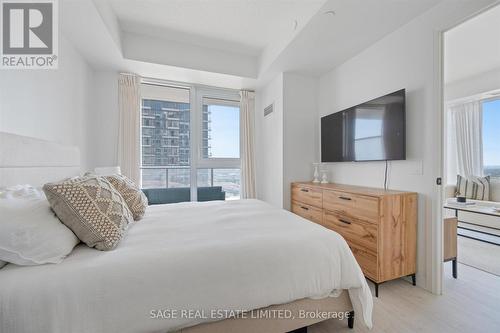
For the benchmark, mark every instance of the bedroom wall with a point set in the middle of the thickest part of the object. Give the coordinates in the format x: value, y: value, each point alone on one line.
x: 269, y: 142
x: 407, y: 58
x: 299, y: 129
x: 104, y: 120
x: 285, y: 139
x: 49, y: 104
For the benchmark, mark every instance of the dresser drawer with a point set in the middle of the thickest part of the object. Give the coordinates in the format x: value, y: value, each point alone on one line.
x: 334, y: 199
x: 308, y: 195
x: 360, y: 206
x: 367, y: 260
x: 308, y: 212
x: 362, y: 233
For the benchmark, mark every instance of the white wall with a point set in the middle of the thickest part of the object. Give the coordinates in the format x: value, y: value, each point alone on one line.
x: 473, y: 47
x: 49, y: 104
x: 285, y: 139
x: 407, y: 58
x: 155, y: 50
x: 71, y: 105
x: 299, y: 130
x: 473, y: 85
x: 402, y: 60
x: 269, y: 142
x: 103, y: 121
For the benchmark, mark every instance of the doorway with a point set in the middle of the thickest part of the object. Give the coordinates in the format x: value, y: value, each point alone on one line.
x: 471, y: 142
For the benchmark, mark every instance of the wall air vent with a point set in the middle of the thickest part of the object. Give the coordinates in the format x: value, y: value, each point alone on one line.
x: 268, y: 110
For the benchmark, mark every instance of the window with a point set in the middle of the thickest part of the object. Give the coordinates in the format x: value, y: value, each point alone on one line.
x: 491, y: 137
x: 170, y: 116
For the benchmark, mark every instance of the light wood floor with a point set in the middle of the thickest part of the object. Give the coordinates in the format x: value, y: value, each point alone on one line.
x: 480, y: 255
x: 470, y: 304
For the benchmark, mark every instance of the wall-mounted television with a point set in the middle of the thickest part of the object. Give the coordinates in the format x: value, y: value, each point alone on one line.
x: 371, y: 131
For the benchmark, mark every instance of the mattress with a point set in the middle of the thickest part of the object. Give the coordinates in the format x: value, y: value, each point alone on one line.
x: 181, y: 265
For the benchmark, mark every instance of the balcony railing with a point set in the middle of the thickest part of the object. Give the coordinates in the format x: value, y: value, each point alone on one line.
x: 180, y: 176
x: 165, y: 176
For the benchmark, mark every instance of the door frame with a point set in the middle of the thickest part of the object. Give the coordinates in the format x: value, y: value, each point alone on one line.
x: 436, y: 232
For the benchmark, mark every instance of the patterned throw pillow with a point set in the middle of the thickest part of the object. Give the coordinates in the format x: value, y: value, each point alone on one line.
x: 92, y: 208
x: 136, y: 200
x: 476, y: 188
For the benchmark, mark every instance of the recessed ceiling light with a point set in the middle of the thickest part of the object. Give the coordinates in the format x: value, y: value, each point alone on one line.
x: 330, y: 12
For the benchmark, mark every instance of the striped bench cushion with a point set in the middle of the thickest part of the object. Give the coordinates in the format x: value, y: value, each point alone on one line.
x: 476, y: 188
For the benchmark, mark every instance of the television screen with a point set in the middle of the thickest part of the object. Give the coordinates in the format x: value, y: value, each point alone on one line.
x: 372, y: 131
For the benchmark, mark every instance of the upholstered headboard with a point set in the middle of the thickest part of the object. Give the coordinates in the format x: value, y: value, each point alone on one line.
x: 25, y: 160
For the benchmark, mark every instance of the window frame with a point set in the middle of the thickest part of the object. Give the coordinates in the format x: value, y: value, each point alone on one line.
x: 196, y: 95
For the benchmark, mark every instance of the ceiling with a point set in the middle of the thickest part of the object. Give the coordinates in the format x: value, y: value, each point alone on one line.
x: 245, y: 26
x: 473, y: 48
x: 229, y: 43
x: 329, y: 40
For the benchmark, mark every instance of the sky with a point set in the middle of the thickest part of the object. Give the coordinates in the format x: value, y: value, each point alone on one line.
x: 225, y: 131
x: 491, y: 133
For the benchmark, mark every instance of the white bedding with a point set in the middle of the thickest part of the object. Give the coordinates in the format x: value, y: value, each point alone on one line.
x: 234, y: 255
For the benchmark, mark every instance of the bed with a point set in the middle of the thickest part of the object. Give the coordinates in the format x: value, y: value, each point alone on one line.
x: 190, y: 267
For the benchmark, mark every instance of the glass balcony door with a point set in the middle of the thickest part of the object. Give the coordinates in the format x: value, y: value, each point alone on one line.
x: 219, y: 142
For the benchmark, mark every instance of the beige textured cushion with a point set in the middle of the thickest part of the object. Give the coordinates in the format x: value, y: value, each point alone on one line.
x: 136, y: 200
x: 92, y: 208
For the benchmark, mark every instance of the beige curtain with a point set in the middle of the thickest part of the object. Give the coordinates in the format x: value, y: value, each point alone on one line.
x: 247, y: 114
x: 129, y: 102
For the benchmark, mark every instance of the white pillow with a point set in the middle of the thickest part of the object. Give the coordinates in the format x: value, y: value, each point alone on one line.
x: 2, y: 263
x: 30, y: 233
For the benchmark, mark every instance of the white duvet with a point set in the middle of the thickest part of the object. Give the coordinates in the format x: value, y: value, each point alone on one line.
x: 234, y: 255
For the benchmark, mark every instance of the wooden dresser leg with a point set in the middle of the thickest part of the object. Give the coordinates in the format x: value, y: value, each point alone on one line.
x: 350, y: 320
x: 414, y: 279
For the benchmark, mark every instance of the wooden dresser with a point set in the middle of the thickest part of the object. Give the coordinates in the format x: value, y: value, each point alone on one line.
x: 379, y: 225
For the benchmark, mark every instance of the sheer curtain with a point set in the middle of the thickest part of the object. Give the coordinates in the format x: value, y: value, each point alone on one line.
x: 129, y: 103
x: 247, y: 115
x: 466, y: 122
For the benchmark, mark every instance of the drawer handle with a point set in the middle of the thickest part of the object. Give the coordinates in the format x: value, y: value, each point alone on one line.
x: 345, y: 198
x: 304, y: 208
x: 304, y: 190
x: 344, y: 221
